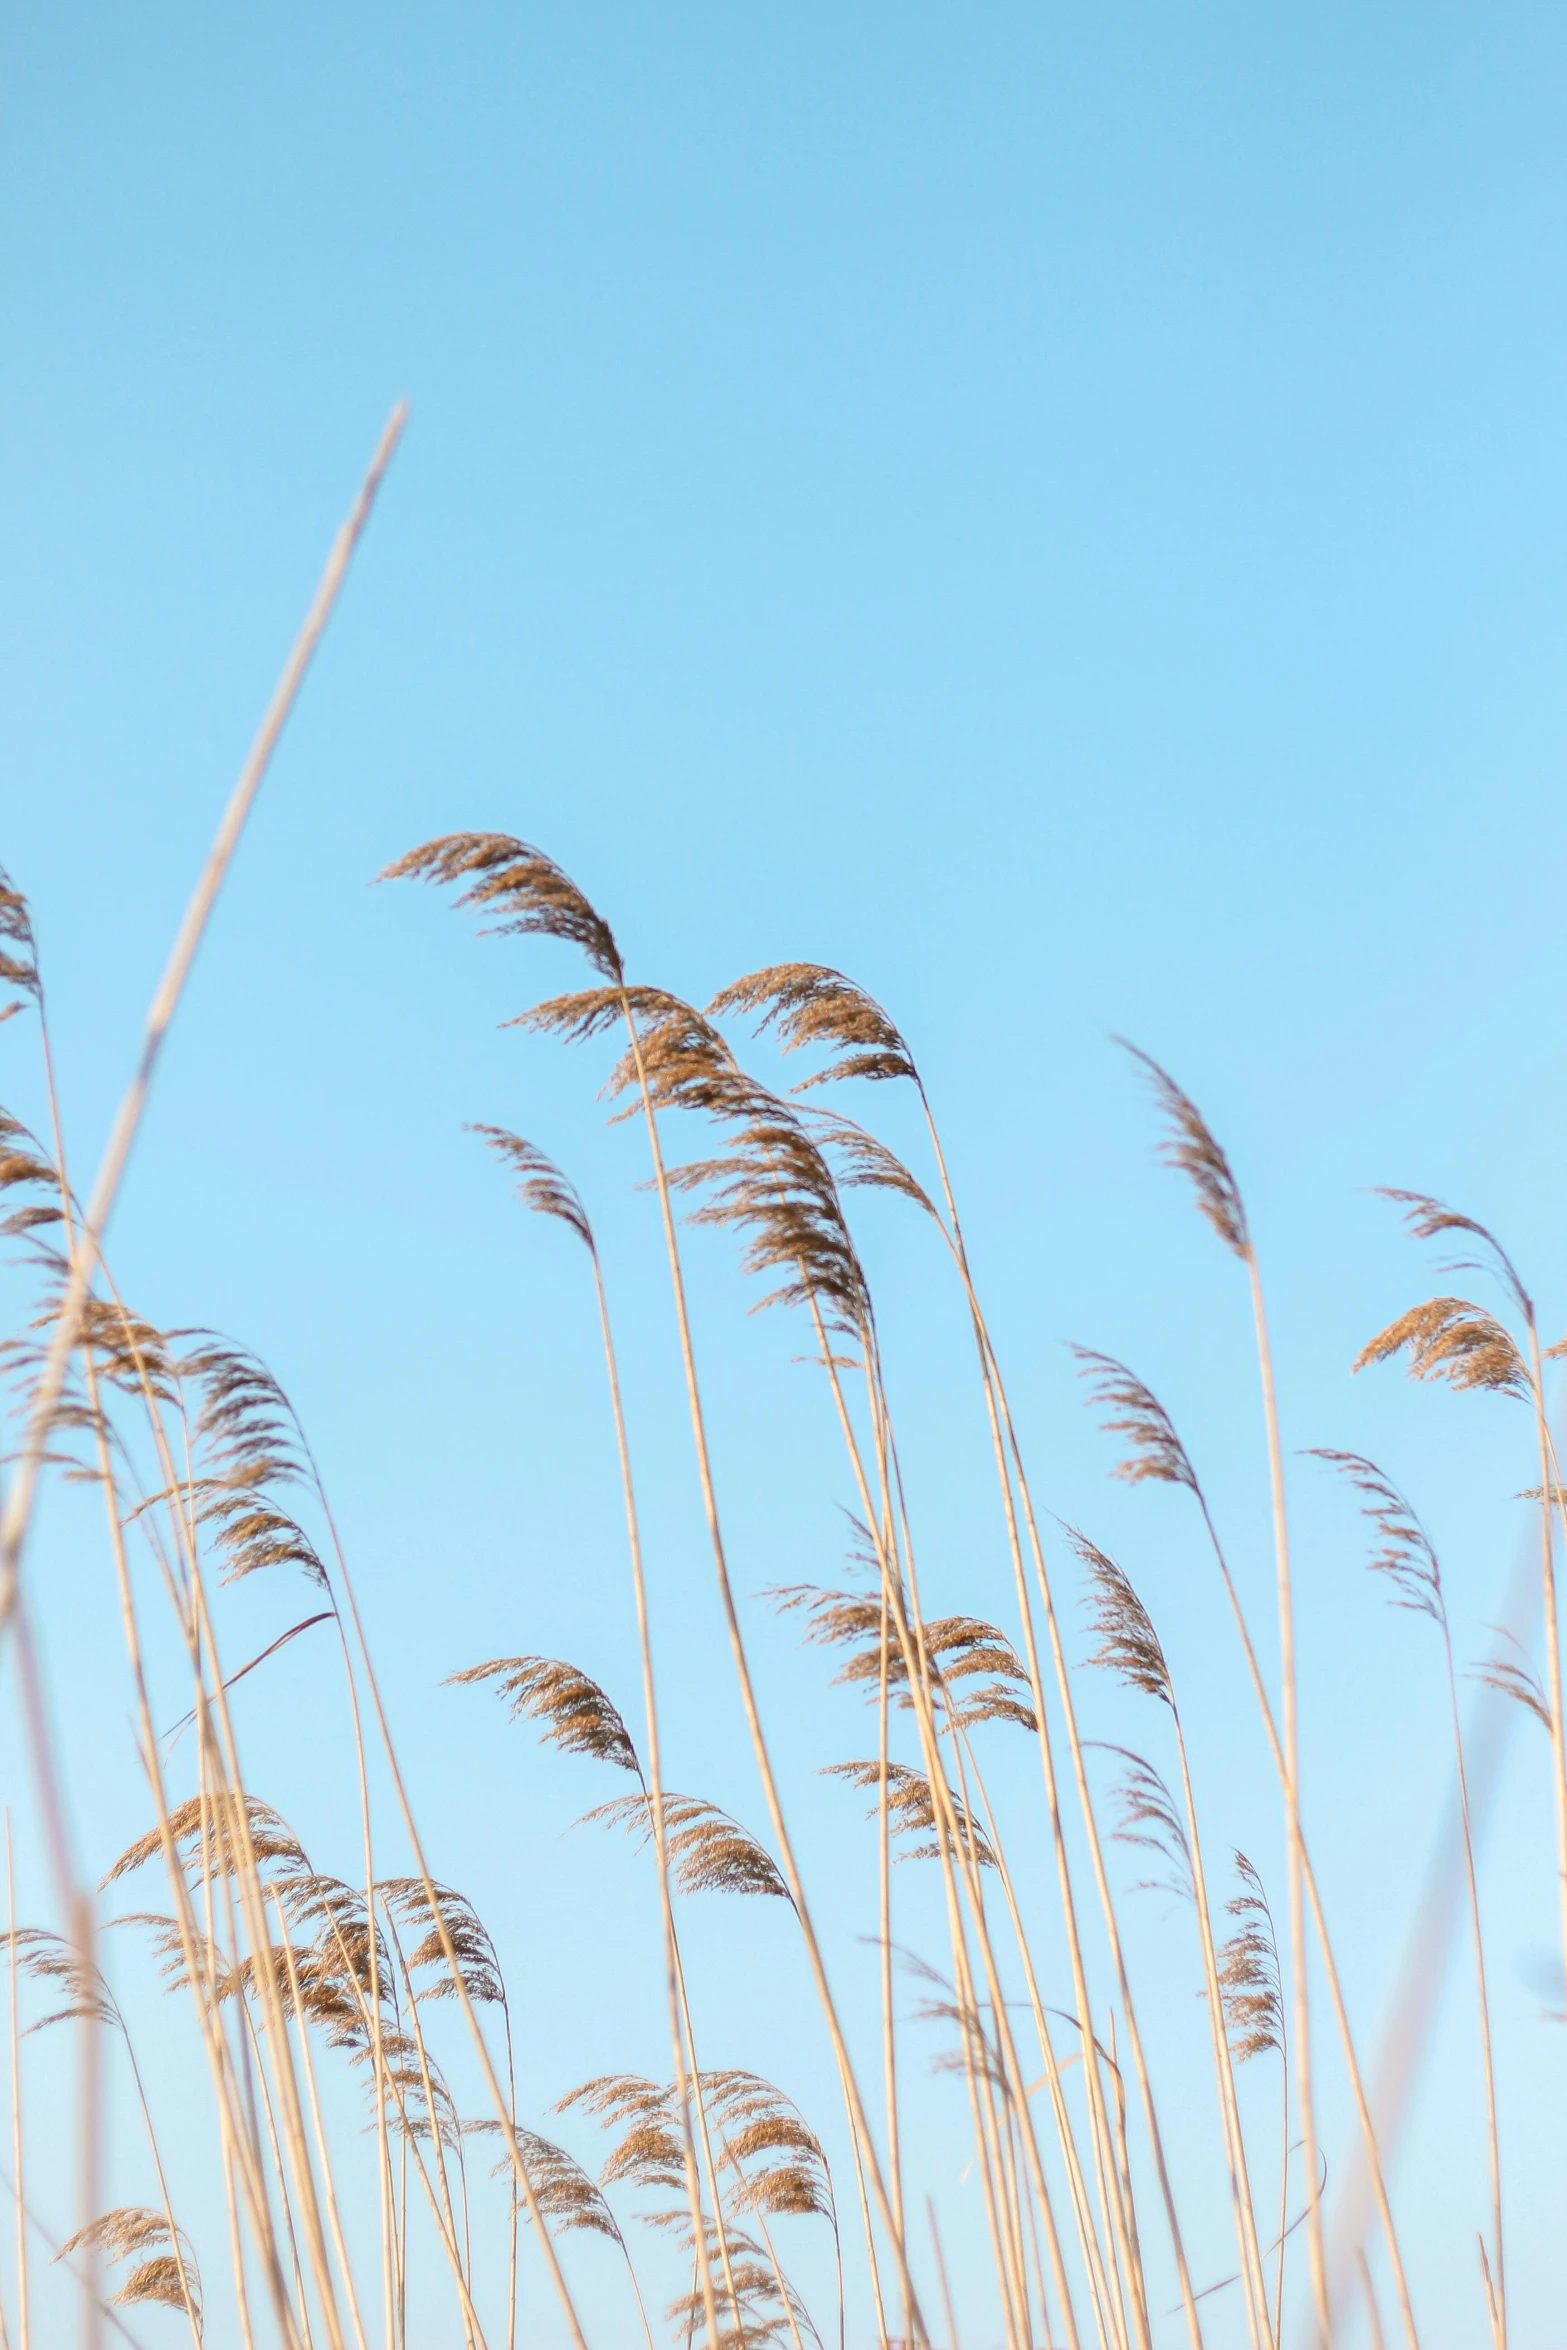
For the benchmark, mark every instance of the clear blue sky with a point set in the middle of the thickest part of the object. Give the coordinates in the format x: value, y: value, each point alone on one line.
x: 1057, y: 510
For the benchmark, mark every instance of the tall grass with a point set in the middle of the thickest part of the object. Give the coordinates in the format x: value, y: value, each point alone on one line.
x: 294, y: 1976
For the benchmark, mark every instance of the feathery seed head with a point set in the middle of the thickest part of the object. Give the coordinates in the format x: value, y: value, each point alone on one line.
x: 765, y: 2142
x: 541, y: 1186
x: 1428, y: 1218
x: 562, y: 2189
x: 861, y: 1161
x: 1135, y: 1414
x: 773, y: 1185
x: 517, y: 889
x: 215, y: 1835
x: 1149, y: 1819
x: 573, y: 1711
x: 950, y: 1648
x: 130, y: 2233
x: 26, y: 1167
x: 49, y: 1958
x: 1513, y: 1676
x: 1405, y: 1554
x: 810, y: 1004
x: 1190, y: 1147
x: 911, y: 1811
x: 453, y: 1938
x: 1448, y: 1338
x: 1250, y: 1978
x: 1128, y: 1644
x: 18, y: 947
x: 708, y: 1851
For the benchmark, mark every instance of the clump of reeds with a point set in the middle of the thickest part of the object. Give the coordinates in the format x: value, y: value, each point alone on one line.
x: 292, y: 1973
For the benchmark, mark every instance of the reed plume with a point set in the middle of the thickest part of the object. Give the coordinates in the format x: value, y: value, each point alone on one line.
x: 134, y: 2233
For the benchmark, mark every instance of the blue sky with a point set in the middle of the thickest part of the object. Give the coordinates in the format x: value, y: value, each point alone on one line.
x: 1056, y: 511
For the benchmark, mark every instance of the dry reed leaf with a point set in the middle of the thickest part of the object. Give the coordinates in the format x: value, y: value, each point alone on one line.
x: 573, y: 1711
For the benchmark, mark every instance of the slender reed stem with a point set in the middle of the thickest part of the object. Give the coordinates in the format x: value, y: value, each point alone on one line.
x: 1553, y: 1638
x: 1284, y: 2176
x: 941, y: 2272
x: 673, y: 1980
x: 889, y: 2048
x: 1224, y: 2073
x: 18, y: 2165
x: 1291, y: 1750
x: 1496, y: 2279
x: 19, y: 1501
x: 1324, y: 1944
